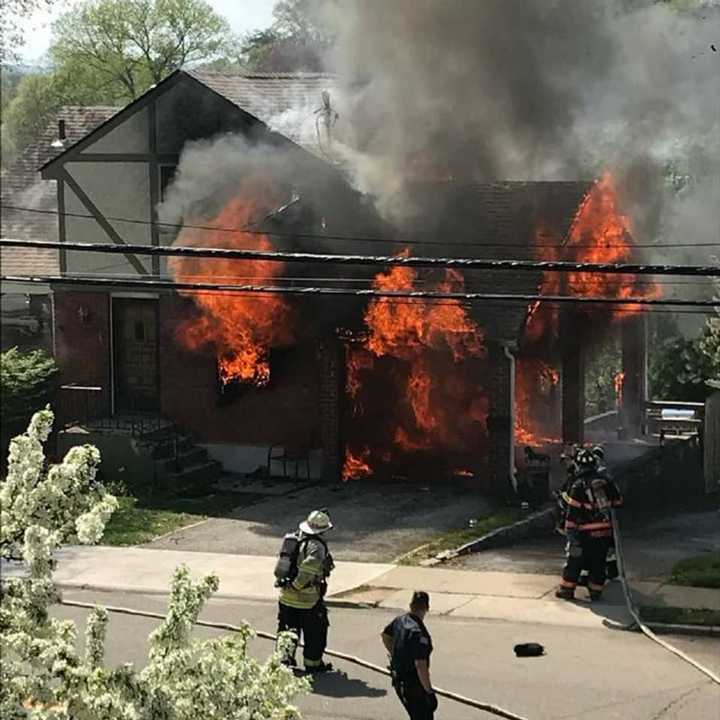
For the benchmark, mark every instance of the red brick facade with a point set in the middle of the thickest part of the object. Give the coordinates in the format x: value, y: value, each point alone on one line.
x: 285, y: 412
x: 83, y: 342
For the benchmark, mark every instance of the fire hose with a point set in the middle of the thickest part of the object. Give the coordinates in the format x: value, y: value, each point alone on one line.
x: 487, y: 707
x: 637, y: 623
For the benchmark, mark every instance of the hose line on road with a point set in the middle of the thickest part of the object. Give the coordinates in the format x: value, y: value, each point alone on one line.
x: 487, y: 707
x: 637, y: 622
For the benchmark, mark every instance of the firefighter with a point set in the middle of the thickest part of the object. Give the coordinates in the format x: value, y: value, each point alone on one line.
x: 301, y: 606
x: 588, y: 527
x: 409, y: 646
x: 611, y: 567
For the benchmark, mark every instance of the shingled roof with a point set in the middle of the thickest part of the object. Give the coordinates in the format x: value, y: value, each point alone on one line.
x: 284, y: 101
x: 23, y: 187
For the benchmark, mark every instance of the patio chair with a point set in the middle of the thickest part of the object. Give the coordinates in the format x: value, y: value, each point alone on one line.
x: 299, y: 455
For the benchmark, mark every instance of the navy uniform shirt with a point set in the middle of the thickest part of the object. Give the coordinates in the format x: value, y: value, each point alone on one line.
x: 411, y: 642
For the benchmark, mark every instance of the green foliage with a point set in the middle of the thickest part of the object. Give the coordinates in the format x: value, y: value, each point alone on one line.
x: 701, y: 571
x: 37, y: 98
x: 27, y: 383
x: 683, y: 369
x: 12, y: 37
x: 121, y: 47
x: 600, y: 374
x: 710, y: 346
x: 295, y: 42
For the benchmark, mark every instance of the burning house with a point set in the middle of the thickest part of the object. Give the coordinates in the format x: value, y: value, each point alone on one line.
x: 381, y: 387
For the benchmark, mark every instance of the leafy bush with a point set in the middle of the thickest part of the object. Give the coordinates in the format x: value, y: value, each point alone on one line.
x: 43, y: 676
x: 685, y: 369
x: 27, y: 384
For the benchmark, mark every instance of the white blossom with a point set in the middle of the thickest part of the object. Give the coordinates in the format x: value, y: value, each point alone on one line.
x: 42, y: 676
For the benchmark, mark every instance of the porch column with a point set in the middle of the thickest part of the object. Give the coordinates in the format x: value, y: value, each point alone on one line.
x: 500, y: 424
x: 573, y: 380
x: 634, y: 365
x: 332, y: 372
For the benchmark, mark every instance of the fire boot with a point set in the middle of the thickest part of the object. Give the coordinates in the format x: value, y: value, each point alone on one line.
x: 565, y: 593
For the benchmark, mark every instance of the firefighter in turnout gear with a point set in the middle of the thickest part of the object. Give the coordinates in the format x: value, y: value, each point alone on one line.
x: 304, y: 566
x: 588, y: 526
x: 611, y: 567
x: 409, y: 645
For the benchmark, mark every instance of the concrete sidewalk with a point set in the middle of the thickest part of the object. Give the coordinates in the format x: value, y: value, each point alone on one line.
x: 518, y: 597
x: 145, y: 570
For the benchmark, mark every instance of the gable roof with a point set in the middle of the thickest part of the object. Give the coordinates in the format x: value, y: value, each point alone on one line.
x: 285, y: 102
x: 23, y: 187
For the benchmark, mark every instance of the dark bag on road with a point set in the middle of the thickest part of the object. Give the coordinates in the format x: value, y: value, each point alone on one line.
x: 529, y: 650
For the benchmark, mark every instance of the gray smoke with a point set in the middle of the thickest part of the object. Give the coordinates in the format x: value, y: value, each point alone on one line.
x: 529, y: 90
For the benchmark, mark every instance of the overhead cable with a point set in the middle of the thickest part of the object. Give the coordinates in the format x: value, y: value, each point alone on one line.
x: 356, y: 238
x: 156, y: 284
x: 374, y: 260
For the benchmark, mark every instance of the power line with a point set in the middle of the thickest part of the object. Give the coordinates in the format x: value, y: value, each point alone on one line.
x: 349, y: 238
x: 364, y: 293
x: 418, y: 281
x: 393, y: 260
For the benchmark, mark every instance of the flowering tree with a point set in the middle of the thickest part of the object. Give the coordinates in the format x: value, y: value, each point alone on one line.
x: 42, y: 675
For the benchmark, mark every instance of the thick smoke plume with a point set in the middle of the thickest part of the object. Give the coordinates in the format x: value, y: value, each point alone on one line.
x: 529, y: 90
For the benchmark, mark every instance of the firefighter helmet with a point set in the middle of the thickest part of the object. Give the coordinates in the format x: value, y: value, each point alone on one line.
x: 318, y: 522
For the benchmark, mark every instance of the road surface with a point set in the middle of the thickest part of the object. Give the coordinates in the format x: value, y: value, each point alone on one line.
x: 596, y: 674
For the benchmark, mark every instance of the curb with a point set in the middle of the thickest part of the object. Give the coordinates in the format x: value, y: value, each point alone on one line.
x: 698, y: 630
x: 501, y: 536
x: 130, y: 590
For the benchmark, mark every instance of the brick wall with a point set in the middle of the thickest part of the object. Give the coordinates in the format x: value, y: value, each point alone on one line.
x: 287, y: 411
x: 500, y: 428
x: 83, y: 344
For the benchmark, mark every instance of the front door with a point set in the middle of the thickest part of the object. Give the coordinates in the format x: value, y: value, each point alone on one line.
x: 135, y: 355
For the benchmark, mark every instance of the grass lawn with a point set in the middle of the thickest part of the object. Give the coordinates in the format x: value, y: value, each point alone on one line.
x: 455, y: 538
x: 680, y: 616
x: 139, y: 520
x: 701, y: 571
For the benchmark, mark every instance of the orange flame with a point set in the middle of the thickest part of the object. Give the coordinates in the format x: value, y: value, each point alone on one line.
x: 619, y: 382
x: 241, y: 329
x: 412, y: 331
x: 535, y: 382
x: 600, y: 233
x: 356, y: 467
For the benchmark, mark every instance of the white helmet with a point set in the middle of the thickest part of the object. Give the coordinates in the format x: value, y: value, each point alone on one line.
x: 318, y: 522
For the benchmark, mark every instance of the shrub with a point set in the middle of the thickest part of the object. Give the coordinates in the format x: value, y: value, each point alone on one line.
x: 27, y: 383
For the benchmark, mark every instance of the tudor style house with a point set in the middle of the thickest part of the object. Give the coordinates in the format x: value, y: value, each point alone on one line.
x: 157, y: 407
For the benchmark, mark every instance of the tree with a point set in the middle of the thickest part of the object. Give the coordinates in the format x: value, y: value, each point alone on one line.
x: 41, y: 669
x: 682, y: 369
x: 296, y: 41
x: 37, y: 98
x: 118, y: 48
x: 12, y: 37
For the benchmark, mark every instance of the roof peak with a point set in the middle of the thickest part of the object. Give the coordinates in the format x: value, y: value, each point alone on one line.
x: 262, y: 75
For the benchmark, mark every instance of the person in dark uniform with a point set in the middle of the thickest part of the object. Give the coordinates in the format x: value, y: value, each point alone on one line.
x: 409, y: 645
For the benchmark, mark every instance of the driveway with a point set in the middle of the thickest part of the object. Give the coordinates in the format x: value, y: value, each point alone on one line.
x: 373, y: 522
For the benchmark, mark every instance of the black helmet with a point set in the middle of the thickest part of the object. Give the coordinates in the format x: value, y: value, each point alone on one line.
x: 586, y: 459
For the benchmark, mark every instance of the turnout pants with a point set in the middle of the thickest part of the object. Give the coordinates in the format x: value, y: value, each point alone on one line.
x: 414, y: 699
x: 311, y: 625
x: 586, y: 552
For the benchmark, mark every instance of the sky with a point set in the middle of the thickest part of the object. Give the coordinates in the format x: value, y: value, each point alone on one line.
x: 243, y: 16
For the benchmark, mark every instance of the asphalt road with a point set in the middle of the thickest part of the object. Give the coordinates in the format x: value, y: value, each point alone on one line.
x: 594, y: 674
